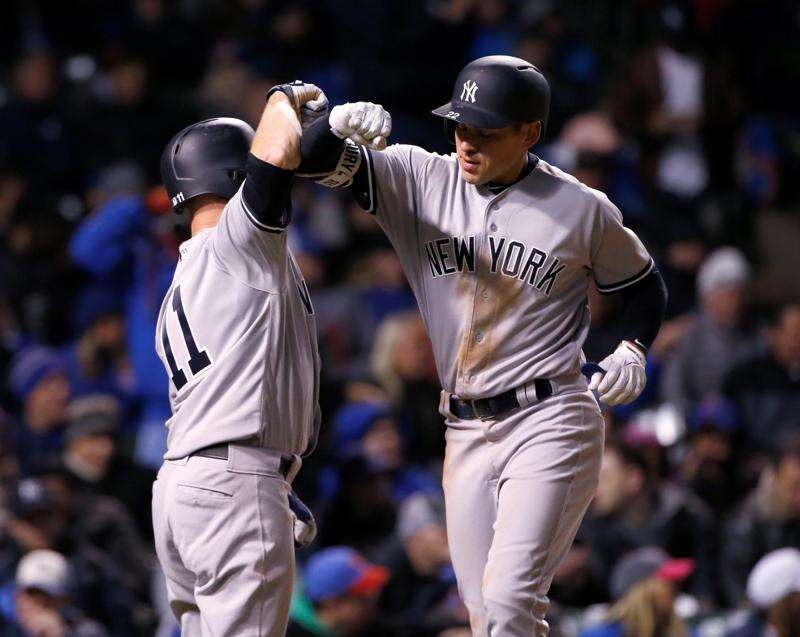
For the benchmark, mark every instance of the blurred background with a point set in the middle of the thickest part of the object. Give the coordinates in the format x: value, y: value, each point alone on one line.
x: 683, y: 112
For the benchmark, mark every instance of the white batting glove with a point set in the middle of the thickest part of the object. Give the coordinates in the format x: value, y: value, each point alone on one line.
x: 364, y: 123
x: 308, y: 100
x: 305, y: 526
x: 624, y: 377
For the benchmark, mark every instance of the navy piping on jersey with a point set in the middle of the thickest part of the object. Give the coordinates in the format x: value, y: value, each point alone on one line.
x: 616, y: 287
x: 257, y: 223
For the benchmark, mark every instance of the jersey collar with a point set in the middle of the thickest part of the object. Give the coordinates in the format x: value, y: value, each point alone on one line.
x: 185, y: 248
x: 496, y: 189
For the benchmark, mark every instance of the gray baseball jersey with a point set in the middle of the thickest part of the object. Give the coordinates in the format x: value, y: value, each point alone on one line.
x: 501, y: 279
x: 237, y: 335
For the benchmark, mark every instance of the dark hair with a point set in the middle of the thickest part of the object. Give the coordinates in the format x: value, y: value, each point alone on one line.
x: 775, y: 314
x: 786, y: 447
x: 630, y: 456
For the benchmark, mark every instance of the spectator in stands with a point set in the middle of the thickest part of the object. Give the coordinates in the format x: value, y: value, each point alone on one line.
x: 719, y: 337
x: 660, y: 102
x: 371, y: 431
x: 127, y: 118
x: 35, y: 128
x: 773, y: 587
x: 299, y: 38
x: 766, y: 389
x: 362, y: 513
x: 383, y: 287
x: 768, y: 519
x: 402, y: 361
x: 92, y: 457
x: 40, y: 604
x: 579, y: 581
x: 32, y: 521
x: 39, y: 283
x: 644, y: 585
x: 38, y: 382
x: 633, y: 509
x: 496, y: 32
x: 418, y: 597
x: 339, y: 596
x: 109, y: 564
x: 125, y: 245
x: 710, y: 468
x: 96, y: 362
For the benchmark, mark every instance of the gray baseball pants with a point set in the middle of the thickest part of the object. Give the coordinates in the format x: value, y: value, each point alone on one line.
x: 224, y: 537
x: 516, y: 489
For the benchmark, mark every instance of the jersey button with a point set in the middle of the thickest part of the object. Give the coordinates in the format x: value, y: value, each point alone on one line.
x: 493, y: 227
x: 479, y: 337
x: 485, y: 295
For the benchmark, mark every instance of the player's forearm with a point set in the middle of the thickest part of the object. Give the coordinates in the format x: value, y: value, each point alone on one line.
x: 643, y: 307
x: 277, y: 138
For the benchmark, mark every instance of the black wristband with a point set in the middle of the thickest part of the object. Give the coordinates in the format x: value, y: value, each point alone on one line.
x: 286, y: 89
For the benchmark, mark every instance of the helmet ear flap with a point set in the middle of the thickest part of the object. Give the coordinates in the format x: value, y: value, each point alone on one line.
x: 450, y: 131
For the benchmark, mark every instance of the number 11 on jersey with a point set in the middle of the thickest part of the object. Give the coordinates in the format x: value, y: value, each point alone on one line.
x: 198, y: 360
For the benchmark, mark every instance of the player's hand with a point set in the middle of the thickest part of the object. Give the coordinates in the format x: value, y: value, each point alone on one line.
x: 364, y: 123
x: 308, y: 100
x: 305, y: 527
x: 624, y: 377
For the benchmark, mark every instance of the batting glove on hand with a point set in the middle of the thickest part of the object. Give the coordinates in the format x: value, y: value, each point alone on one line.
x: 308, y: 100
x: 364, y: 123
x: 624, y: 377
x: 305, y: 527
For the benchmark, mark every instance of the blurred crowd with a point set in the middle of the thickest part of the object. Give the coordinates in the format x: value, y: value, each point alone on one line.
x: 681, y: 111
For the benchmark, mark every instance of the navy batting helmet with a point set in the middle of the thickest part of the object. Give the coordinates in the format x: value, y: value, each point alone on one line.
x: 206, y: 158
x: 497, y: 91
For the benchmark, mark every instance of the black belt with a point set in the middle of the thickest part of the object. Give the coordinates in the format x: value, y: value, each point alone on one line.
x: 220, y: 452
x: 483, y: 408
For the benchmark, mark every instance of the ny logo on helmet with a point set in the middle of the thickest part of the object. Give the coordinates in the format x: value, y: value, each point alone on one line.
x: 468, y: 92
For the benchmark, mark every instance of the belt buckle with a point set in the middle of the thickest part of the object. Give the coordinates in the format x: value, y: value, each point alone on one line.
x: 482, y: 417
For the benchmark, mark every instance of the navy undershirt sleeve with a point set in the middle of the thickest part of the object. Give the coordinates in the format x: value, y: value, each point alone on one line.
x: 320, y: 149
x: 266, y: 193
x: 643, y: 307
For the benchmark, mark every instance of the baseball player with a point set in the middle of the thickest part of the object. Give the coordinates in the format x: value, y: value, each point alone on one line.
x: 499, y: 248
x: 237, y: 335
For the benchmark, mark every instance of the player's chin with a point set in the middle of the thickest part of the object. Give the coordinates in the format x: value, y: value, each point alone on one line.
x: 474, y: 177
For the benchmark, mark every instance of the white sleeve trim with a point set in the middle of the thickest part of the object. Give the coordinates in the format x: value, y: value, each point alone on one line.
x: 620, y: 285
x: 257, y: 223
x: 370, y: 183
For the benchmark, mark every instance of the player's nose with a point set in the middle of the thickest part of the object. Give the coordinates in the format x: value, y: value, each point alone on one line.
x: 466, y: 145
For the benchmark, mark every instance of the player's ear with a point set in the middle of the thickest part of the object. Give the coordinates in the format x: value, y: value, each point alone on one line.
x: 532, y: 131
